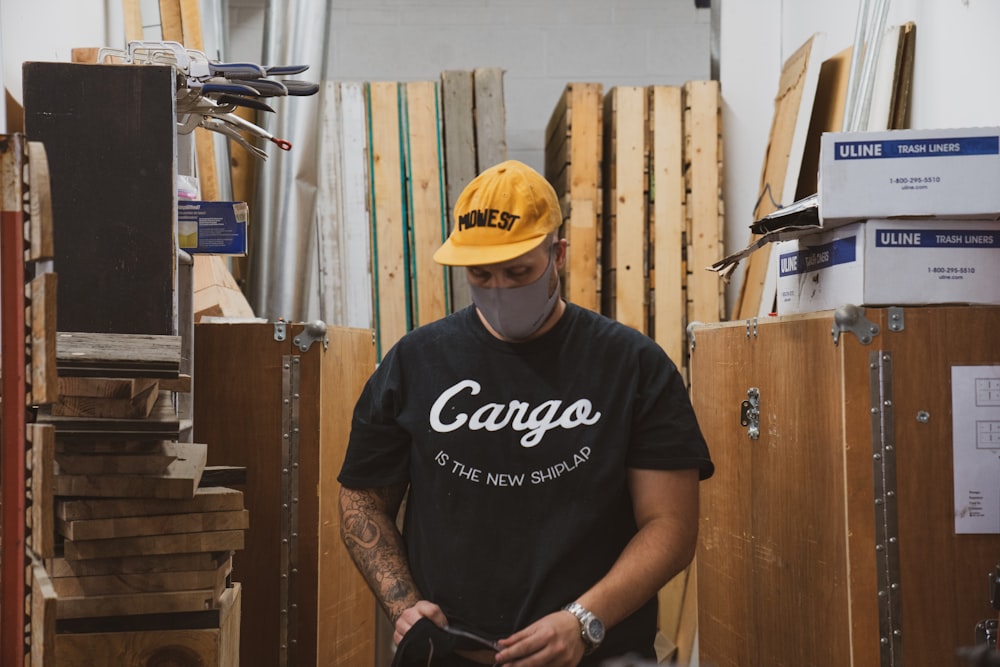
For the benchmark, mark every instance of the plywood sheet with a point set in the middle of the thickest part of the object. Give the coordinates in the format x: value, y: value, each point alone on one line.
x: 780, y: 173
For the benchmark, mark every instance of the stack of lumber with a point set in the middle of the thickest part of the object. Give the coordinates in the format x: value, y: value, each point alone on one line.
x: 638, y: 172
x: 425, y: 141
x: 141, y: 533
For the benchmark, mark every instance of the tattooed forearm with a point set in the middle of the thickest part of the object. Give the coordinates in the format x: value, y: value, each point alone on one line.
x: 368, y: 529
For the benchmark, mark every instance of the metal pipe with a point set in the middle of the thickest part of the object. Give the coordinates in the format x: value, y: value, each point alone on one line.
x: 856, y: 55
x: 874, y: 46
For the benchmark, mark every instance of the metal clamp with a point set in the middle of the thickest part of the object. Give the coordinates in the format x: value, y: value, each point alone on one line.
x: 280, y: 331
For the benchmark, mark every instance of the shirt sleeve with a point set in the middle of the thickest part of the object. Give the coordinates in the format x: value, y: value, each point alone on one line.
x: 665, y: 430
x: 378, y: 451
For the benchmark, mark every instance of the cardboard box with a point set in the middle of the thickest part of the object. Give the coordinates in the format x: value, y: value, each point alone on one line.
x: 890, y: 263
x: 950, y: 173
x: 212, y: 227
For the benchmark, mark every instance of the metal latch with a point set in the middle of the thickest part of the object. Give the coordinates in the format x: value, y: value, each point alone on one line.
x: 750, y: 413
x: 851, y: 318
x: 280, y: 331
x: 313, y: 331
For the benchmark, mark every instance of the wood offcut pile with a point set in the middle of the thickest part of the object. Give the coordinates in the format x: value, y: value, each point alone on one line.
x: 139, y: 531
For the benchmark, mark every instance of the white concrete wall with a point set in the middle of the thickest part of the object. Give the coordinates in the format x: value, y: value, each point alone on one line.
x: 541, y: 45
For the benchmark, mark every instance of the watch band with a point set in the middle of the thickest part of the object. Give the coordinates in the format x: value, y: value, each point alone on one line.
x: 591, y: 627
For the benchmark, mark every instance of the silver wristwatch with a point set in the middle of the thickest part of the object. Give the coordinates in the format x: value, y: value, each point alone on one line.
x: 591, y: 627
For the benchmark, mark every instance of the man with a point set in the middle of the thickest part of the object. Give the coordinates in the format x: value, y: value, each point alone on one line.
x: 550, y: 455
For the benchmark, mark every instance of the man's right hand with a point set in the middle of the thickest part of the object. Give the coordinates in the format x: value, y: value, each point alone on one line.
x: 411, y: 615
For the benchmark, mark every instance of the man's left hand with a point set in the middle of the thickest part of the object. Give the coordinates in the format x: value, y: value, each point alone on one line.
x: 551, y: 641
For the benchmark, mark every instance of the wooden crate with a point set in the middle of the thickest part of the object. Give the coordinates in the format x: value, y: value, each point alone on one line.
x: 216, y: 646
x: 281, y: 407
x: 830, y: 538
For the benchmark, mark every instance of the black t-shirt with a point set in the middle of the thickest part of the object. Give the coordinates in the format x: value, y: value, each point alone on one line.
x: 516, y: 455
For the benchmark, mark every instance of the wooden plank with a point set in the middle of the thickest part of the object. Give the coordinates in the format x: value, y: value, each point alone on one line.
x: 152, y: 462
x: 98, y: 387
x: 77, y: 446
x: 156, y: 355
x: 344, y: 248
x: 490, y: 117
x: 132, y: 15
x: 703, y: 158
x: 205, y: 499
x: 392, y: 300
x: 145, y: 564
x: 184, y: 647
x: 138, y: 407
x: 41, y: 236
x: 42, y: 315
x: 629, y: 202
x: 903, y: 90
x: 161, y: 424
x: 171, y: 21
x: 154, y: 545
x: 780, y: 173
x: 180, y: 480
x: 135, y: 603
x: 164, y: 524
x: 573, y: 164
x: 457, y: 92
x: 427, y: 208
x: 43, y: 617
x: 667, y: 221
x: 43, y: 535
x: 152, y: 582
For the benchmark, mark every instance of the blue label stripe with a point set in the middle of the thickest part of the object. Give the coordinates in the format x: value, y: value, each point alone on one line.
x: 841, y: 251
x: 896, y: 237
x: 902, y: 148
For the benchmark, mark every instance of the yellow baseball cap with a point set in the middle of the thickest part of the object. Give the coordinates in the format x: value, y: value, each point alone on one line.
x: 503, y: 213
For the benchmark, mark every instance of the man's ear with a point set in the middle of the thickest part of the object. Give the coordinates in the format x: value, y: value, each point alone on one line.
x: 561, y: 246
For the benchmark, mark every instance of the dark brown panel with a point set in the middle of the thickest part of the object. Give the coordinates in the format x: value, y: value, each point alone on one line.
x: 108, y: 132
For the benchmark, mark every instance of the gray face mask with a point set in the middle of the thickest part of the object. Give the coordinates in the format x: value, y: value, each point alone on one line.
x: 517, y: 312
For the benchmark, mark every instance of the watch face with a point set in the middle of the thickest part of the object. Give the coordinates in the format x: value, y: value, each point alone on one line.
x: 595, y: 630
